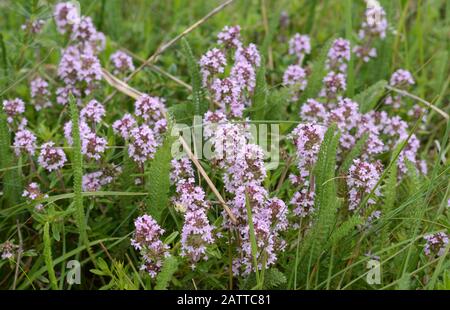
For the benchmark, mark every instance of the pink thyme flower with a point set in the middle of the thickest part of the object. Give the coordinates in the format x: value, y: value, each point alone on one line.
x: 196, y: 235
x: 33, y: 192
x: 85, y: 33
x: 313, y: 112
x: 230, y: 37
x: 146, y: 240
x: 24, y: 142
x: 93, y: 111
x: 295, y: 76
x: 211, y: 63
x: 40, y: 94
x: 338, y: 55
x: 299, y: 45
x: 362, y: 178
x: 374, y: 26
x: 122, y: 62
x: 62, y: 94
x: 33, y: 26
x: 151, y: 109
x: 142, y: 145
x: 93, y: 146
x: 307, y: 139
x: 333, y: 84
x: 124, y: 125
x: 436, y: 244
x: 51, y: 157
x: 83, y: 127
x: 227, y: 92
x: 249, y: 54
x: 66, y: 15
x: 244, y: 74
x: 13, y: 108
x: 303, y: 201
x: 8, y: 249
x: 210, y: 122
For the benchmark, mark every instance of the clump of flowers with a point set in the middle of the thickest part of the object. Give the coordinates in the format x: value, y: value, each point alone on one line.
x: 307, y: 140
x: 142, y: 144
x: 243, y: 175
x: 435, y: 244
x: 146, y: 240
x: 51, y: 157
x: 400, y: 79
x: 295, y: 77
x: 150, y: 109
x: 190, y: 199
x: 374, y: 26
x: 40, y: 94
x: 13, y: 108
x: 24, y: 142
x: 122, y: 62
x: 233, y: 92
x: 211, y: 63
x: 124, y: 125
x: 362, y: 178
x: 299, y: 45
x: 8, y: 249
x: 338, y: 56
x: 66, y: 14
x: 230, y: 37
x: 333, y: 84
x: 33, y: 26
x: 94, y: 181
x: 93, y: 111
x: 32, y: 192
x: 93, y: 146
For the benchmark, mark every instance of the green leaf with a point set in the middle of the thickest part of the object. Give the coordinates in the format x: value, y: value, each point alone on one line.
x: 159, y: 179
x: 198, y: 105
x: 318, y: 73
x: 368, y: 98
x: 259, y: 105
x: 170, y: 266
x: 11, y: 181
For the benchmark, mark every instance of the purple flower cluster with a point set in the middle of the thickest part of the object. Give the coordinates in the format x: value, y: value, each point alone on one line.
x: 122, y: 62
x: 436, y: 244
x: 295, y: 77
x: 33, y: 26
x: 244, y: 173
x: 40, y: 94
x: 51, y: 157
x: 93, y: 112
x: 299, y: 45
x: 232, y: 92
x: 94, y: 181
x: 374, y: 26
x: 8, y: 249
x: 338, y: 56
x: 124, y: 125
x: 33, y: 192
x: 307, y: 140
x: 146, y: 240
x: 142, y: 145
x: 24, y: 142
x: 400, y: 79
x: 79, y: 68
x: 362, y: 178
x: 197, y: 232
x: 150, y: 109
x: 13, y: 108
x: 230, y: 37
